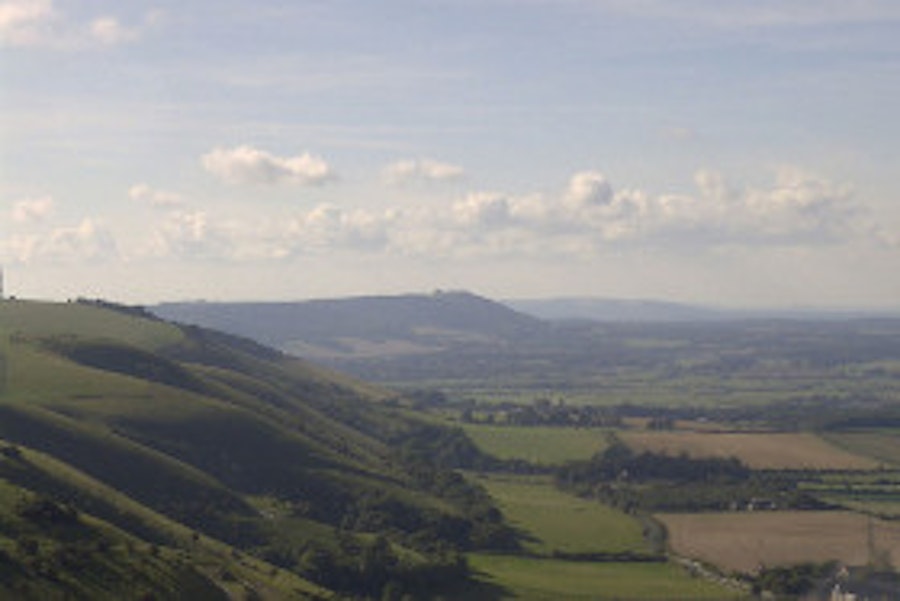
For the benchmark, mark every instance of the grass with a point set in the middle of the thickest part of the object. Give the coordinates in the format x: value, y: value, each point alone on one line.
x: 743, y: 541
x: 36, y: 319
x: 757, y: 450
x: 545, y: 579
x: 558, y: 522
x: 538, y: 444
x: 204, y: 553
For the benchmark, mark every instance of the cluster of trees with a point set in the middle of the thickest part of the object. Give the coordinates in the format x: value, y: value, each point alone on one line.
x: 619, y: 463
x: 376, y: 570
x: 794, y: 580
x: 658, y: 482
x: 544, y: 412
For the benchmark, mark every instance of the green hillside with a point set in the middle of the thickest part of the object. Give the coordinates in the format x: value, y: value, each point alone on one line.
x: 237, y: 466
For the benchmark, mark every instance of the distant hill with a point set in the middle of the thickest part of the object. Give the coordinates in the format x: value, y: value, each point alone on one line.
x: 220, y: 465
x: 364, y: 326
x: 477, y: 343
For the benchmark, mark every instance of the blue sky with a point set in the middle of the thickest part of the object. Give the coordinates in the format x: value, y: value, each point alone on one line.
x: 723, y: 152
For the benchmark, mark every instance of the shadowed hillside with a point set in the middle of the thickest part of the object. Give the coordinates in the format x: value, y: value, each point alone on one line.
x: 178, y: 434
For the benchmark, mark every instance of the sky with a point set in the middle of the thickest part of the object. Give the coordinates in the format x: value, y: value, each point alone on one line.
x: 722, y: 152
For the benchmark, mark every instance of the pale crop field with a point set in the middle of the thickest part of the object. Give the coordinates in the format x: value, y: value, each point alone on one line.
x: 744, y: 541
x: 766, y: 450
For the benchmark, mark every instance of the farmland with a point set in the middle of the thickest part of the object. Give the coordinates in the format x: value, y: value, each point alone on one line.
x: 549, y: 580
x: 743, y: 541
x: 564, y: 538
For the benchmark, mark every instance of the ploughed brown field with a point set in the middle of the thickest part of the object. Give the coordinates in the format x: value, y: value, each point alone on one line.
x: 744, y: 541
x: 765, y: 450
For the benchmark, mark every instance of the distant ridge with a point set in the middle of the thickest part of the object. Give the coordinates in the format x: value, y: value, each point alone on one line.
x: 403, y: 324
x: 656, y: 311
x: 622, y: 310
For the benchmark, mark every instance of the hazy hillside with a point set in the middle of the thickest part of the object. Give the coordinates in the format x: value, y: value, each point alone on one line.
x: 214, y: 446
x: 615, y: 310
x: 654, y: 311
x: 374, y: 325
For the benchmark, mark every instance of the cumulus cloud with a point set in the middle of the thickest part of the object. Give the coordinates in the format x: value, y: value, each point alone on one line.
x: 589, y: 188
x: 109, y: 31
x: 156, y: 198
x: 587, y: 214
x: 797, y: 209
x: 24, y: 22
x: 90, y: 240
x: 410, y: 170
x: 248, y: 165
x: 32, y: 210
x: 38, y: 24
x: 330, y: 227
x: 483, y: 209
x: 192, y: 235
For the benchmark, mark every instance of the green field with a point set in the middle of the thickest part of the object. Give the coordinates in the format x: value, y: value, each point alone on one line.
x: 539, y: 444
x: 558, y: 522
x: 551, y: 580
x: 555, y: 523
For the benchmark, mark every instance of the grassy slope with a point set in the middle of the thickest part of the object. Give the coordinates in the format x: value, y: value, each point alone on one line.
x: 36, y: 319
x: 168, y: 560
x: 247, y: 427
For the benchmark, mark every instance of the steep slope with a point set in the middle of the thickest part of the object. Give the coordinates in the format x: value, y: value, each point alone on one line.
x: 239, y: 442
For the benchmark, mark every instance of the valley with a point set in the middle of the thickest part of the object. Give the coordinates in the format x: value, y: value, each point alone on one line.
x: 507, y: 457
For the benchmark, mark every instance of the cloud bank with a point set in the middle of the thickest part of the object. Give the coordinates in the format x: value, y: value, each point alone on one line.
x: 586, y: 217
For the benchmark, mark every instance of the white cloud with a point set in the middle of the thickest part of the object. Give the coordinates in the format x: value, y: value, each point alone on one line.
x: 245, y: 164
x: 410, y: 170
x: 589, y: 188
x: 798, y: 209
x: 32, y: 210
x: 330, y: 227
x: 90, y: 240
x: 24, y: 22
x: 109, y: 31
x: 191, y: 234
x: 156, y: 198
x: 38, y: 24
x: 483, y: 209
